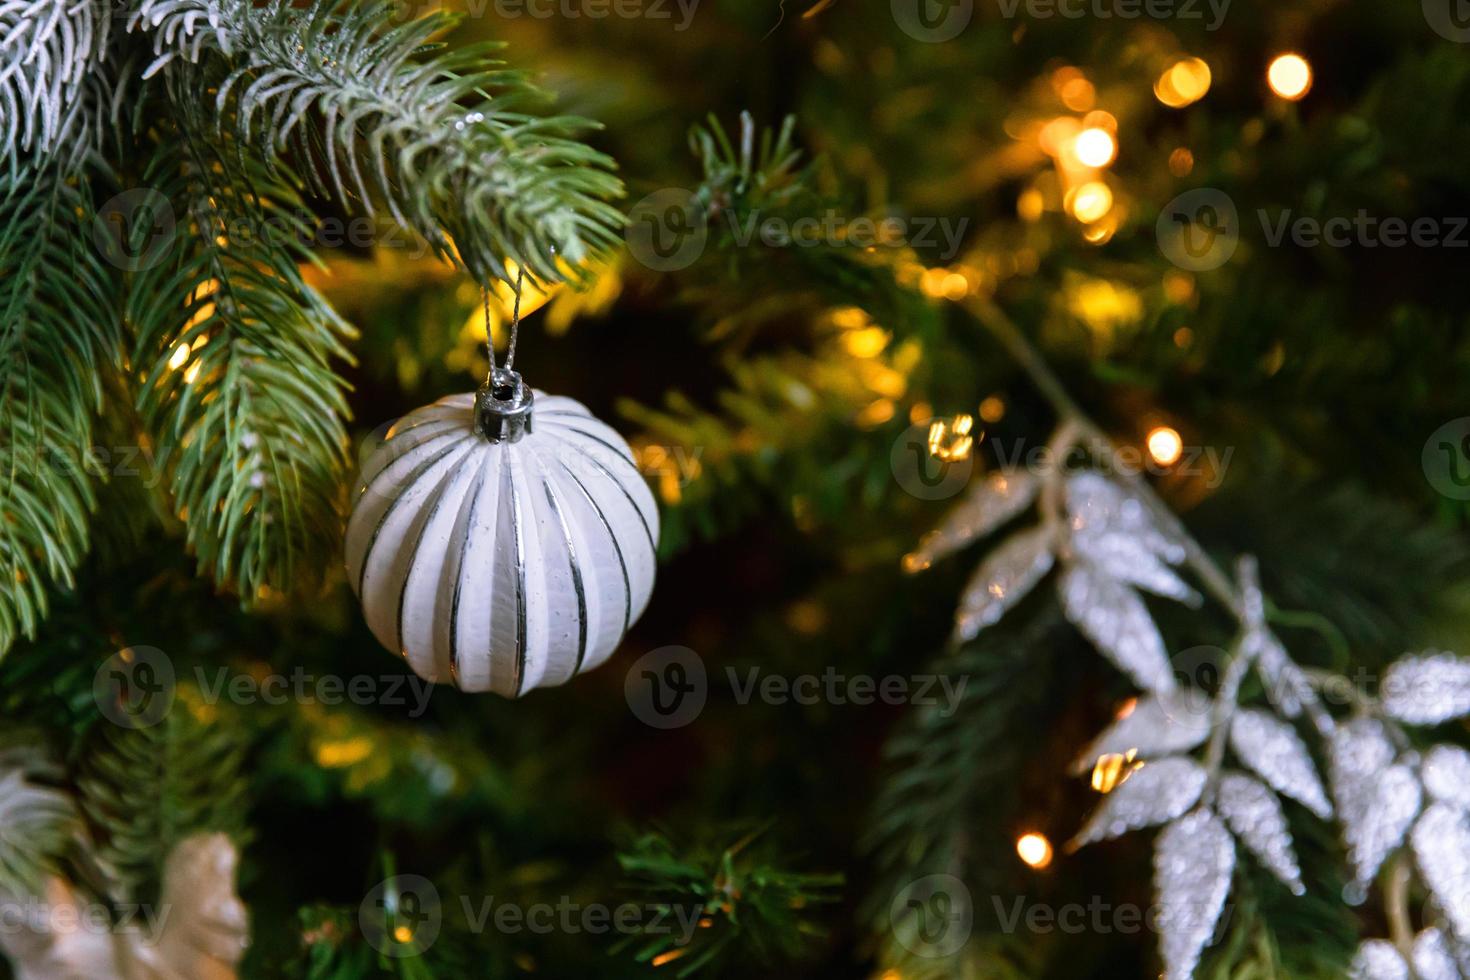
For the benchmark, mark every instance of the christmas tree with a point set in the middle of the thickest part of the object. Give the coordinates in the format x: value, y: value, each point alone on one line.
x: 1045, y: 420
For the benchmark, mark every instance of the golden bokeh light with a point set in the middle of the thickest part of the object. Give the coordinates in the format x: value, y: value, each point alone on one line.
x: 1289, y: 76
x: 1090, y: 201
x: 1181, y: 161
x: 1164, y: 445
x: 1034, y: 849
x: 1095, y: 147
x: 950, y: 440
x: 1183, y: 82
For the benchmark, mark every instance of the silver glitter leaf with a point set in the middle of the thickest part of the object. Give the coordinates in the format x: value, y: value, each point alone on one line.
x: 1002, y: 580
x: 1153, y: 794
x: 1377, y: 799
x: 1097, y: 505
x: 1116, y: 621
x: 1254, y: 813
x: 1433, y: 959
x: 1428, y: 688
x: 1378, y: 959
x: 1192, y: 866
x: 990, y: 503
x: 1272, y: 748
x: 1159, y: 724
x: 1286, y: 685
x: 1441, y: 842
x: 1129, y: 559
x: 1446, y: 775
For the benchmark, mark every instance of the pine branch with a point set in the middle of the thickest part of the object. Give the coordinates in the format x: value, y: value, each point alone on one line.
x: 237, y: 387
x: 58, y: 334
x: 748, y: 907
x: 443, y: 144
x: 38, y: 822
x: 143, y: 790
x: 48, y: 51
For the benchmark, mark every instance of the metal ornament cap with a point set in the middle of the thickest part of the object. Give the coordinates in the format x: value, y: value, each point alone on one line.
x: 503, y: 407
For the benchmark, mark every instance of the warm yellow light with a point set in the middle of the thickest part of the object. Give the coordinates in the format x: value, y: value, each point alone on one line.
x: 1030, y: 204
x: 1095, y: 147
x: 993, y: 409
x: 1181, y: 161
x: 1165, y: 446
x: 951, y: 440
x: 1090, y: 201
x: 1034, y: 849
x: 1185, y: 81
x: 180, y: 357
x: 865, y: 341
x: 1289, y: 76
x: 403, y: 934
x: 1112, y: 769
x: 192, y: 372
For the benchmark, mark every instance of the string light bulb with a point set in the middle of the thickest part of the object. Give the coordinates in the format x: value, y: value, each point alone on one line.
x: 1290, y: 76
x: 1185, y: 81
x: 1035, y: 850
x: 1164, y: 445
x: 1090, y: 201
x: 1095, y: 147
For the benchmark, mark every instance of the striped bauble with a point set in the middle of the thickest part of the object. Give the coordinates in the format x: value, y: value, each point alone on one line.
x: 502, y: 540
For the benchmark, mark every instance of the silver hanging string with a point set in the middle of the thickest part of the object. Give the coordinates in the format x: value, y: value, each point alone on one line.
x: 515, y: 328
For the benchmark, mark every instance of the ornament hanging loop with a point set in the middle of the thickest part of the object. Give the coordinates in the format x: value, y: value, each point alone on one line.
x: 503, y: 402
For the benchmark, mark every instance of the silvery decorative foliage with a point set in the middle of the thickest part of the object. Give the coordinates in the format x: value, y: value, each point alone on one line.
x: 1433, y: 957
x: 1115, y: 620
x: 1446, y: 775
x: 1158, y: 724
x: 1002, y: 580
x: 1441, y: 842
x: 1112, y: 531
x: 1272, y: 748
x: 1377, y: 798
x: 1192, y: 866
x: 48, y: 50
x: 1286, y: 685
x: 1153, y: 794
x: 1378, y: 959
x: 1428, y: 688
x: 1254, y: 814
x: 992, y: 502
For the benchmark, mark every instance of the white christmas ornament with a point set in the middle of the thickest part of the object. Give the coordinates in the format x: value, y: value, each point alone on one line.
x: 502, y: 540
